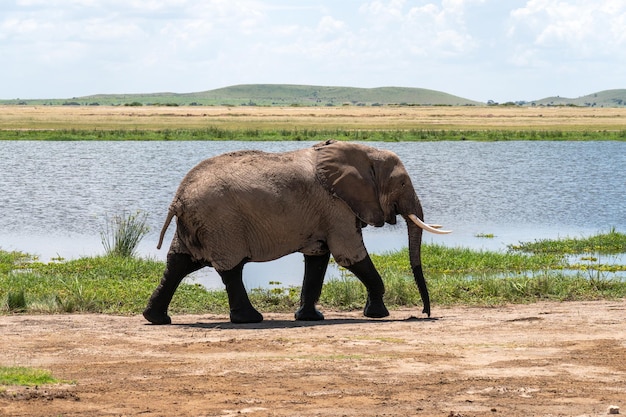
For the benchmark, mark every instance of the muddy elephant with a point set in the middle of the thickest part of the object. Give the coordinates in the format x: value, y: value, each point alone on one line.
x: 253, y: 206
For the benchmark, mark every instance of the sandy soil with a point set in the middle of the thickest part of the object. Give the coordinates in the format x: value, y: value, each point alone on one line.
x: 545, y: 359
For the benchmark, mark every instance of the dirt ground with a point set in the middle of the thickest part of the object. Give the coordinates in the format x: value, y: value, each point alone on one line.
x: 545, y: 359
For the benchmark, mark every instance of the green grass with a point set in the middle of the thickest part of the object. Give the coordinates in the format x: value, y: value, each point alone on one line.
x: 485, y: 235
x: 17, y: 375
x: 466, y: 276
x: 302, y: 134
x: 122, y: 285
x: 612, y: 242
x: 9, y: 260
x: 439, y: 259
x: 485, y: 290
x: 106, y: 284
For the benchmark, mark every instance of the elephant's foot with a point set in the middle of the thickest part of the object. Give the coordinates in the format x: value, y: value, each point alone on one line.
x: 375, y: 309
x: 248, y: 315
x: 156, y: 317
x: 309, y: 314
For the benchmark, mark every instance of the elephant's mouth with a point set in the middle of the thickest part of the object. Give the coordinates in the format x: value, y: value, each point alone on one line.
x: 392, y: 216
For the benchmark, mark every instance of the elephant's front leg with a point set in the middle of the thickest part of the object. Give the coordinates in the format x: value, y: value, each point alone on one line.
x: 179, y: 265
x: 314, y: 271
x: 241, y: 309
x: 366, y: 272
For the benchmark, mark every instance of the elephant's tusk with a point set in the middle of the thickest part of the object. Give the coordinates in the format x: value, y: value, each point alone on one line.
x: 427, y: 227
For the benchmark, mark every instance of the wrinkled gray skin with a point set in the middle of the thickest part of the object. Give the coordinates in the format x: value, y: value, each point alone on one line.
x: 252, y: 206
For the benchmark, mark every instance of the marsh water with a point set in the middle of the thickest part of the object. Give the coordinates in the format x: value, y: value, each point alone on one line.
x: 55, y: 196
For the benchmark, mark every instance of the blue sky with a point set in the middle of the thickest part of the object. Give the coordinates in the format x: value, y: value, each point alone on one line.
x: 501, y: 50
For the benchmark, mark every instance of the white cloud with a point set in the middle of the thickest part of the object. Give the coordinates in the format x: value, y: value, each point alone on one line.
x: 576, y: 29
x: 481, y: 49
x: 330, y: 25
x: 429, y: 29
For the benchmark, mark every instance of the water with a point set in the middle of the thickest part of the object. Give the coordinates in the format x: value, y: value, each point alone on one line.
x: 55, y: 196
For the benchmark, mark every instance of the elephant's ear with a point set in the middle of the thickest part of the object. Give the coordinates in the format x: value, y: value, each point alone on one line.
x: 345, y: 170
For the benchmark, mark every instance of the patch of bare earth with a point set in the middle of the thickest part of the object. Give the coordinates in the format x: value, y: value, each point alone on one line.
x: 544, y: 359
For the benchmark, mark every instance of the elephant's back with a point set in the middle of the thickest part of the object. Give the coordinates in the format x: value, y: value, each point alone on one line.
x: 223, y: 164
x: 249, y: 165
x: 248, y: 178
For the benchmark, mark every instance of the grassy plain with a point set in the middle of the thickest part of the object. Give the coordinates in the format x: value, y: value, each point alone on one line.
x: 341, y: 118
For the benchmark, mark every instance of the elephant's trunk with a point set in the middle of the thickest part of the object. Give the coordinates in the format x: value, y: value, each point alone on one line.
x: 415, y: 225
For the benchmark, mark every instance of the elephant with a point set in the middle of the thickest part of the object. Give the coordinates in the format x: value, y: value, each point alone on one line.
x: 254, y: 206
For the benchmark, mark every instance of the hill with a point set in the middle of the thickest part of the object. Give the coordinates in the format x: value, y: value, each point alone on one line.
x: 271, y: 95
x: 310, y: 95
x: 606, y: 98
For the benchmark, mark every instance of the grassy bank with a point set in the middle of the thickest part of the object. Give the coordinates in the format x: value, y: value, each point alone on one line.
x: 386, y: 123
x: 311, y: 134
x: 311, y: 123
x: 527, y: 272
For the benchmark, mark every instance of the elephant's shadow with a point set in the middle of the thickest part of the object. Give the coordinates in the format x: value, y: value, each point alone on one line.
x: 292, y: 324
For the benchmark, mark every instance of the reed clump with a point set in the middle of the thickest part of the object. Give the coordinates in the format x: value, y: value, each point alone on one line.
x: 123, y: 232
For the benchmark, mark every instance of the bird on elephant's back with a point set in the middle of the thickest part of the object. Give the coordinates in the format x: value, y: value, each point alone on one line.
x: 254, y: 206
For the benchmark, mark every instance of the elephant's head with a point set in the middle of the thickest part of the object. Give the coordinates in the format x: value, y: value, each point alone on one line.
x: 377, y: 188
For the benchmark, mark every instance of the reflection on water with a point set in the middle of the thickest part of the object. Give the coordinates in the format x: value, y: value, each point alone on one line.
x: 55, y: 195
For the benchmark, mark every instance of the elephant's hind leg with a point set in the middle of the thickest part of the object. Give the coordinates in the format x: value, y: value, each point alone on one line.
x: 179, y: 265
x: 314, y: 271
x: 241, y: 309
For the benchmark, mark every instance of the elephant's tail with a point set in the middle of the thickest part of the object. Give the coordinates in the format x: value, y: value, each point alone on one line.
x: 170, y: 214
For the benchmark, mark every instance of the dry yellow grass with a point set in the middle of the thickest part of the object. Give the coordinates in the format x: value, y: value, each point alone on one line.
x: 515, y: 118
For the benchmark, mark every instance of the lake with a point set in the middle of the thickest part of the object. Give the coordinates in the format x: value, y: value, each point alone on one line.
x: 55, y: 196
